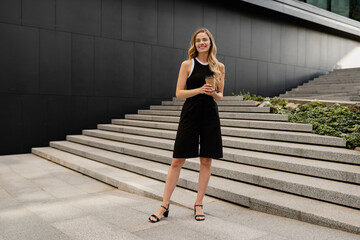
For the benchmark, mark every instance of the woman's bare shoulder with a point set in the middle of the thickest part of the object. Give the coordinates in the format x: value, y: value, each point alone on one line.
x: 187, y: 63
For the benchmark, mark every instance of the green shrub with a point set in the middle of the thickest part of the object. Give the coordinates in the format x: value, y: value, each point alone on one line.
x: 252, y: 97
x: 331, y: 120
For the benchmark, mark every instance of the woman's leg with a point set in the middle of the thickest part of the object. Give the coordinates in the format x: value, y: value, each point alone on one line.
x: 171, y: 181
x: 204, y: 177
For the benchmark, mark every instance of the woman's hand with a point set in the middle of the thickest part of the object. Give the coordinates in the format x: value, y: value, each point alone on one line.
x: 206, y: 89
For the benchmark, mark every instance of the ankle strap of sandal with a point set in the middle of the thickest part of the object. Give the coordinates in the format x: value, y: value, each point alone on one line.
x: 166, y: 208
x: 198, y: 206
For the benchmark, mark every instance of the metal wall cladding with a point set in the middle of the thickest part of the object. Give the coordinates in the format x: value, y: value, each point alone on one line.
x: 66, y: 65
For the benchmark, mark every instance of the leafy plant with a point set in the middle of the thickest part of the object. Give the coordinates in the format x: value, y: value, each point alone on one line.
x: 331, y: 120
x: 252, y: 97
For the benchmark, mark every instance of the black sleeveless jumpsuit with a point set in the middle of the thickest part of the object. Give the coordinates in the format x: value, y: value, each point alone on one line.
x: 199, y: 120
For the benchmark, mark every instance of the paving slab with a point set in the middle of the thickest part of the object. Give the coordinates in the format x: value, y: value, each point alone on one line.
x: 113, y: 214
x: 257, y: 198
x: 91, y: 227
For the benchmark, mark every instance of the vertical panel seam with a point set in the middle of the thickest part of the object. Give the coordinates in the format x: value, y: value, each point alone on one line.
x: 55, y: 27
x: 39, y: 62
x: 21, y: 12
x: 101, y: 14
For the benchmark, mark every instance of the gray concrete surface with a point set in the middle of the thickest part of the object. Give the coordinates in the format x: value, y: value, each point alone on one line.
x: 42, y: 200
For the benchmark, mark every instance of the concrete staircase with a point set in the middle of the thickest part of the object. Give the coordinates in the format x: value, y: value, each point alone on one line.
x: 340, y: 84
x: 269, y: 164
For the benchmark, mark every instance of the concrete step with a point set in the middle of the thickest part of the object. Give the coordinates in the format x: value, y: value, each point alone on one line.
x: 326, y: 190
x: 324, y: 82
x: 325, y: 90
x: 297, y: 127
x: 347, y: 70
x: 227, y: 115
x: 295, y: 149
x: 247, y: 133
x: 221, y: 109
x: 238, y: 103
x: 124, y: 180
x: 323, y: 98
x: 225, y: 98
x: 304, y: 94
x: 319, y: 95
x: 343, y: 73
x: 341, y: 76
x: 254, y: 197
x: 311, y: 167
x: 329, y: 85
x: 330, y: 89
x: 292, y: 149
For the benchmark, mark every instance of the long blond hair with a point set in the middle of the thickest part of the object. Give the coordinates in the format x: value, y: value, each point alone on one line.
x: 212, y: 60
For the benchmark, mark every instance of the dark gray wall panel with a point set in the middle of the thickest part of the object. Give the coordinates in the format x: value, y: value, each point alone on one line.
x: 142, y: 71
x: 313, y: 49
x: 10, y: 11
x: 78, y: 111
x: 165, y: 68
x: 220, y: 58
x: 301, y: 75
x: 290, y: 81
x: 230, y: 76
x: 19, y: 59
x: 55, y: 62
x: 246, y: 75
x: 10, y: 137
x: 139, y: 21
x: 58, y: 116
x: 111, y: 18
x: 99, y: 111
x: 82, y: 65
x: 228, y: 33
x: 245, y: 36
x: 188, y: 16
x: 118, y: 106
x: 68, y: 65
x: 185, y: 54
x: 324, y: 51
x: 334, y: 54
x: 114, y: 67
x: 262, y: 73
x: 210, y: 19
x: 261, y: 40
x: 276, y: 79
x: 289, y: 43
x: 301, y: 47
x: 80, y: 16
x: 344, y: 48
x: 165, y: 23
x: 39, y: 13
x: 34, y: 121
x: 275, y: 43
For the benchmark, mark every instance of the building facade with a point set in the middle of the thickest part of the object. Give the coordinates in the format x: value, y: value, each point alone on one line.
x: 67, y: 65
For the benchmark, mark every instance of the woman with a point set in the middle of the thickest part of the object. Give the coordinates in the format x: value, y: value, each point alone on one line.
x: 199, y: 118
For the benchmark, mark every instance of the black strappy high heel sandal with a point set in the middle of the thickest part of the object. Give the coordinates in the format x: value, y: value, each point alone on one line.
x: 199, y: 215
x: 165, y: 214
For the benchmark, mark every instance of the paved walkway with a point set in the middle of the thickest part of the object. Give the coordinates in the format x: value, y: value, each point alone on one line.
x: 42, y: 200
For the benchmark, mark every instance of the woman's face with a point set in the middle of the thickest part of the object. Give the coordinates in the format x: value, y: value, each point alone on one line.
x: 202, y: 42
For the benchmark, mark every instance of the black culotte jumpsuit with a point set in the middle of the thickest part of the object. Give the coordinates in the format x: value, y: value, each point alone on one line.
x: 199, y: 120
